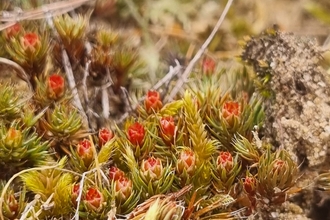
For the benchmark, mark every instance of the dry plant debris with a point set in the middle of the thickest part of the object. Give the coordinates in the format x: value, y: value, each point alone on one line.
x: 99, y: 134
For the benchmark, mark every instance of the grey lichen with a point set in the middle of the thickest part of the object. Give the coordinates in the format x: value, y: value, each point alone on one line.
x: 298, y: 111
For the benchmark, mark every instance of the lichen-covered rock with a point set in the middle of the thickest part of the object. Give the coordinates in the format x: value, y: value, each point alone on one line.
x: 298, y: 110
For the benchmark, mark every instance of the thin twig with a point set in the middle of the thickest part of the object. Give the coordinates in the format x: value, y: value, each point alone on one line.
x: 127, y: 98
x: 84, y: 80
x: 30, y: 206
x: 68, y: 70
x: 105, y: 103
x: 72, y: 83
x: 199, y: 54
x: 47, y: 205
x: 56, y: 8
x: 7, y: 25
x: 4, y: 190
x: 34, y: 14
x: 22, y: 74
x: 96, y: 160
x: 173, y: 71
x: 81, y: 186
x: 105, y: 96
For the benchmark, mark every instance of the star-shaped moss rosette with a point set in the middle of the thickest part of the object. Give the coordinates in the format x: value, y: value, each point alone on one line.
x: 194, y: 136
x: 123, y: 60
x: 21, y: 148
x: 186, y: 164
x: 13, y: 202
x: 104, y: 136
x: 225, y: 170
x: 63, y: 126
x: 91, y: 201
x: 138, y: 136
x: 126, y: 197
x: 153, y: 102
x: 151, y: 176
x: 277, y: 174
x: 102, y: 53
x: 8, y: 33
x: 96, y: 202
x: 12, y: 31
x: 10, y: 104
x: 228, y: 111
x: 322, y: 182
x: 29, y: 50
x: 247, y: 150
x: 167, y: 130
x: 190, y: 171
x: 53, y: 185
x: 72, y: 33
x: 164, y: 206
x: 82, y: 156
x: 63, y: 121
x: 51, y: 89
x: 249, y: 185
x: 193, y: 158
x: 232, y: 118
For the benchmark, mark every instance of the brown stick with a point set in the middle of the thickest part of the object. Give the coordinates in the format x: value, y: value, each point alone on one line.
x: 198, y: 55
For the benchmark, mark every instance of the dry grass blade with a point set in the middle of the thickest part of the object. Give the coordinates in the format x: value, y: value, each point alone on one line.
x: 21, y: 72
x: 199, y: 53
x: 51, y: 9
x: 7, y: 25
x: 4, y: 190
x: 173, y: 71
x: 142, y: 208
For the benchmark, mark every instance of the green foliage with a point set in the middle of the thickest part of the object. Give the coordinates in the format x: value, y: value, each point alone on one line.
x: 277, y: 173
x: 51, y: 184
x: 246, y: 149
x: 145, y: 184
x: 21, y: 148
x: 318, y: 11
x: 10, y: 105
x: 31, y: 56
x: 223, y: 180
x: 13, y: 202
x: 169, y: 169
x: 63, y: 121
x: 200, y: 142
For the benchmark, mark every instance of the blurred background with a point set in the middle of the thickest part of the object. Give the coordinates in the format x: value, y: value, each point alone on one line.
x: 165, y: 30
x: 192, y: 20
